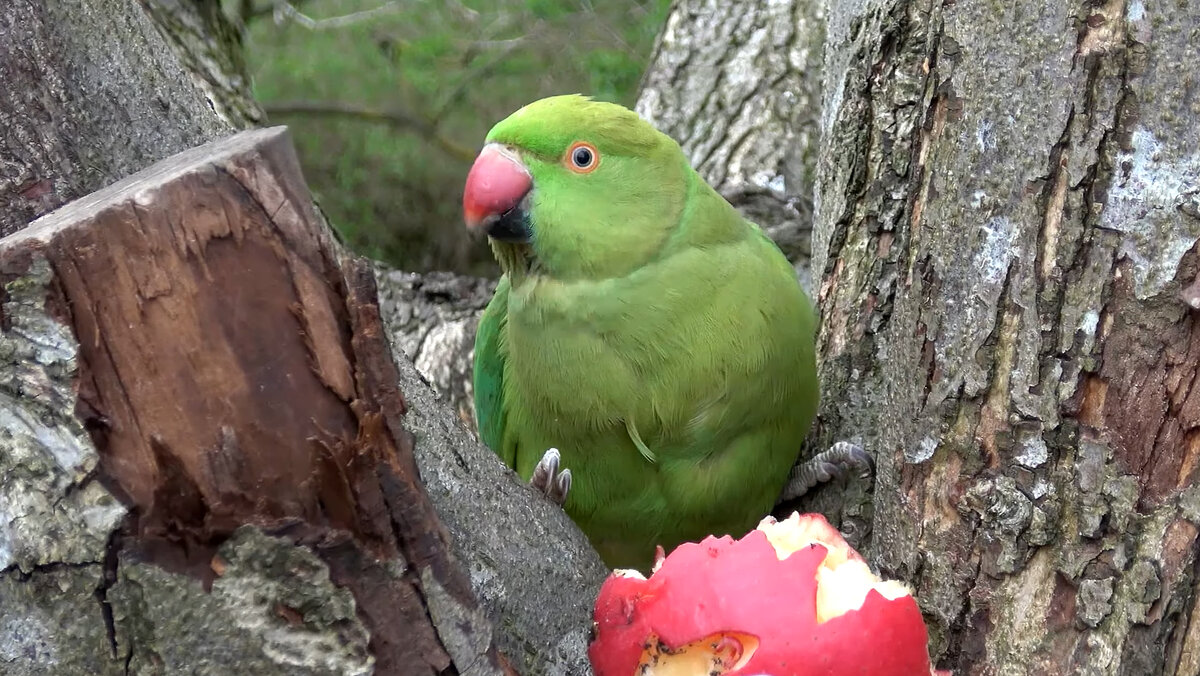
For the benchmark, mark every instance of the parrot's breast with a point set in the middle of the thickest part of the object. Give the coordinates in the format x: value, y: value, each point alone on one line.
x: 678, y: 396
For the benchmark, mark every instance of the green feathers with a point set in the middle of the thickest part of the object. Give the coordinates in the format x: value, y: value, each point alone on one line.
x: 488, y: 374
x: 649, y: 332
x: 608, y: 221
x: 547, y: 127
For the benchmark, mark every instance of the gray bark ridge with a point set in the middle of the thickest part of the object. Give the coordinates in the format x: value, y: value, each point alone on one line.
x: 534, y: 571
x: 1007, y: 232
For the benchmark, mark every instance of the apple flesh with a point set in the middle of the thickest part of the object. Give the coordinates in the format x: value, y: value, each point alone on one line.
x: 791, y: 598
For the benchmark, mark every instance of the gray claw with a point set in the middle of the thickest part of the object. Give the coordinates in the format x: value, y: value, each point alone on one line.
x: 548, y: 480
x: 823, y: 467
x: 562, y: 486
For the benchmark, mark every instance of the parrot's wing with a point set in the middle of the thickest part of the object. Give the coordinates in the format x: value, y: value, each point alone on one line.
x: 489, y: 372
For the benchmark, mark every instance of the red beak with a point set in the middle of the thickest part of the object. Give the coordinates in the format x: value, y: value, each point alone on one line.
x: 496, y: 184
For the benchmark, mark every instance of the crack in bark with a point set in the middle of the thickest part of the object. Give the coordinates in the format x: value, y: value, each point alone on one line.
x: 108, y: 578
x: 996, y: 402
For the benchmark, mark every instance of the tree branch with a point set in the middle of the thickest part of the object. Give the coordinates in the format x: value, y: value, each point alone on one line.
x: 399, y: 119
x: 283, y: 11
x: 507, y: 47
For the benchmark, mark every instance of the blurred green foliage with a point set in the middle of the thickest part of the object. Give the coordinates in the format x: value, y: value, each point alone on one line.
x: 389, y: 101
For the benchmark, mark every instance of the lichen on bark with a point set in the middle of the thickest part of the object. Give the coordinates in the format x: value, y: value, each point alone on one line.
x: 50, y: 621
x: 51, y: 509
x: 272, y: 609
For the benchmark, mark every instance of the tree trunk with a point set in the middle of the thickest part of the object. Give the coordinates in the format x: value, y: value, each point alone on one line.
x: 1006, y: 222
x: 738, y: 85
x: 209, y: 47
x: 81, y: 108
x: 85, y: 110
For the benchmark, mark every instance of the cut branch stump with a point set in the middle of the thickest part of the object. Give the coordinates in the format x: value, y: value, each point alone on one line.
x: 201, y: 415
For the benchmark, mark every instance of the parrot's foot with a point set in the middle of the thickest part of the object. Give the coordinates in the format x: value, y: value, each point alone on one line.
x: 548, y: 480
x: 840, y: 458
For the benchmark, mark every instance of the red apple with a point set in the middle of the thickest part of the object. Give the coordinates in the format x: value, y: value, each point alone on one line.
x: 791, y: 598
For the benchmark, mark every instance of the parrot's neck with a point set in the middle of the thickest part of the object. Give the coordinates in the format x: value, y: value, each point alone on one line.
x: 516, y: 260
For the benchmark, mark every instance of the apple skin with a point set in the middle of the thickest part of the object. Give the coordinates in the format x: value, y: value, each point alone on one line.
x: 721, y: 588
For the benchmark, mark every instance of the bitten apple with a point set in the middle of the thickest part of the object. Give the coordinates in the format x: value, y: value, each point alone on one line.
x: 791, y: 598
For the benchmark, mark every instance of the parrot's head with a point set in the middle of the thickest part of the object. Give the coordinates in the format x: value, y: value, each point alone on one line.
x: 574, y: 188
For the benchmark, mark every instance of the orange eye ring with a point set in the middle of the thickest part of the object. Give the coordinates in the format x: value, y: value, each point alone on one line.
x: 582, y: 157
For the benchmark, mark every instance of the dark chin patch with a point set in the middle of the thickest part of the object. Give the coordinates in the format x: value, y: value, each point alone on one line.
x: 512, y: 226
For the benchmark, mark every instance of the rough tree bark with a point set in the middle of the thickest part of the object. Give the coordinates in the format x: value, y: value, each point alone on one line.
x: 80, y: 110
x: 209, y: 46
x: 738, y: 85
x: 1006, y: 226
x: 432, y: 319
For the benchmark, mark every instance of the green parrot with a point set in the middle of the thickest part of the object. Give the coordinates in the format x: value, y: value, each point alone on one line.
x: 656, y: 342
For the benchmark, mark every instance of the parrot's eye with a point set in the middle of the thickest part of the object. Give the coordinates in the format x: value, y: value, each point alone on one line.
x: 582, y: 157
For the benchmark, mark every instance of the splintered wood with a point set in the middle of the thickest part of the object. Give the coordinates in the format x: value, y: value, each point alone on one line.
x: 233, y: 371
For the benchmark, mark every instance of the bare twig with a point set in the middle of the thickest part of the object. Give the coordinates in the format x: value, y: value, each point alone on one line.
x: 286, y: 10
x: 618, y: 38
x: 484, y: 45
x: 483, y: 70
x: 462, y: 11
x: 250, y: 10
x: 399, y: 119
